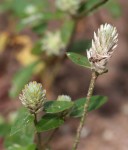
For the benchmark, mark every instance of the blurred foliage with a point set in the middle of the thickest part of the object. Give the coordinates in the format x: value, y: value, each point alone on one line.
x: 80, y: 46
x: 22, y: 132
x: 3, y: 41
x: 114, y: 8
x: 21, y: 78
x: 36, y: 15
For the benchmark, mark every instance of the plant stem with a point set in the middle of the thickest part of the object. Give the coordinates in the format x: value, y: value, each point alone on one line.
x: 96, y: 6
x: 50, y: 138
x: 85, y: 111
x: 72, y: 37
x: 38, y: 136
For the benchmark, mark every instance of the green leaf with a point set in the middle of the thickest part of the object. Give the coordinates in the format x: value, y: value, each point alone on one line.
x: 4, y: 129
x: 19, y: 147
x: 114, y: 8
x: 37, y: 50
x: 90, y: 3
x: 89, y: 6
x: 80, y: 46
x: 19, y: 7
x: 52, y: 16
x: 24, y: 119
x: 66, y: 30
x: 21, y: 78
x: 95, y: 103
x: 40, y: 28
x: 49, y: 122
x: 4, y: 6
x: 22, y: 132
x: 31, y: 22
x: 79, y: 59
x: 57, y: 106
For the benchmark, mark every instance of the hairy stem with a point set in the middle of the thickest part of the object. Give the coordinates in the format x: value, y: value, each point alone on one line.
x: 85, y: 112
x: 38, y: 136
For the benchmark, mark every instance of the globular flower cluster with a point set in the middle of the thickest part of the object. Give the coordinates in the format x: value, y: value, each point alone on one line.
x: 103, y: 46
x: 69, y: 6
x: 64, y: 98
x: 52, y: 43
x: 33, y: 97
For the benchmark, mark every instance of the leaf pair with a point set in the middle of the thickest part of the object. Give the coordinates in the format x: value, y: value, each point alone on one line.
x: 53, y: 120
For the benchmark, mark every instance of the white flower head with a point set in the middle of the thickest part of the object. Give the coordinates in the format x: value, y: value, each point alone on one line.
x: 33, y: 97
x: 69, y: 6
x: 52, y: 43
x: 30, y: 9
x: 103, y: 45
x: 64, y: 98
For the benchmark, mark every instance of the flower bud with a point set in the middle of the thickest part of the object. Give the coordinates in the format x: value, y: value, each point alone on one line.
x: 64, y: 98
x: 103, y: 46
x: 69, y: 6
x: 52, y: 43
x: 33, y: 97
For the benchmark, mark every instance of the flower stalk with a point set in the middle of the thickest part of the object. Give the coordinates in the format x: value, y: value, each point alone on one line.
x: 85, y: 111
x: 33, y: 98
x: 103, y: 45
x: 38, y: 135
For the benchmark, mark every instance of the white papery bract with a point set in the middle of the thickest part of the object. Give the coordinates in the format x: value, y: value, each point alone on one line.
x: 33, y: 97
x: 64, y: 98
x: 52, y: 43
x: 69, y: 6
x: 103, y: 45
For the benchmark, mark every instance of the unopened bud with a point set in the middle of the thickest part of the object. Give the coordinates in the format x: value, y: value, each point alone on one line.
x: 33, y: 97
x: 64, y: 98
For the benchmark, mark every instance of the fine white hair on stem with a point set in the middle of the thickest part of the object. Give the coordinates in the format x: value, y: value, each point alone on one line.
x: 103, y: 45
